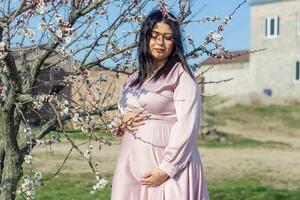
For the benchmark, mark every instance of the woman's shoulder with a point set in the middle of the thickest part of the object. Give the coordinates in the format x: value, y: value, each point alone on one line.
x: 131, y: 78
x: 186, y: 81
x: 179, y: 70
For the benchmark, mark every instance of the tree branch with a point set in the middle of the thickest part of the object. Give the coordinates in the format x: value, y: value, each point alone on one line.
x: 106, y: 56
x: 52, y: 123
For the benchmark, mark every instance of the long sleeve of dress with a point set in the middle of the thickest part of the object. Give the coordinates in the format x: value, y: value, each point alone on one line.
x: 182, y: 142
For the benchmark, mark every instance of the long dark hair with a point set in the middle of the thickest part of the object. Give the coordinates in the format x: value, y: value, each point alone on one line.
x: 144, y: 57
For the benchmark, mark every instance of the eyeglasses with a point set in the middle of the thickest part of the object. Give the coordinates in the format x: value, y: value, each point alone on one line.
x: 165, y: 36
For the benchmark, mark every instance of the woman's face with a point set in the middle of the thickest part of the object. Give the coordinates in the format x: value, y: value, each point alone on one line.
x: 161, y: 43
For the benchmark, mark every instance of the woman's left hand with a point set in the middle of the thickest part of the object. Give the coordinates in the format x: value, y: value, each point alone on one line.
x: 154, y: 177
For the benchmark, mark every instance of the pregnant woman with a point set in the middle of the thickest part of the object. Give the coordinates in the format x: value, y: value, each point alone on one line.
x: 160, y: 108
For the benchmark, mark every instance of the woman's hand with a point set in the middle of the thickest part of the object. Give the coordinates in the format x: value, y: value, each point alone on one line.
x: 154, y: 177
x: 131, y: 120
x: 128, y: 122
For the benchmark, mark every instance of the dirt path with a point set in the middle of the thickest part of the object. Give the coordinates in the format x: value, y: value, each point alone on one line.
x: 276, y: 167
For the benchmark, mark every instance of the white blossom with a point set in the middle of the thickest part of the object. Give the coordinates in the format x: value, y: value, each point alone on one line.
x: 28, y: 159
x: 41, y: 8
x: 38, y: 176
x: 39, y: 142
x: 103, y: 77
x: 28, y: 131
x: 66, y: 110
x: 68, y: 39
x: 59, y: 33
x: 86, y: 124
x: 100, y: 185
x: 38, y: 104
x: 42, y: 26
x: 28, y: 33
x: 3, y: 55
x: 2, y: 46
x: 57, y: 19
x: 27, y: 188
x: 3, y: 90
x: 88, y: 153
x: 69, y: 31
x: 216, y: 37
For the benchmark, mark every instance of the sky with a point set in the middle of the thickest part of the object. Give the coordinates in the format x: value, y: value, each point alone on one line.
x: 236, y: 35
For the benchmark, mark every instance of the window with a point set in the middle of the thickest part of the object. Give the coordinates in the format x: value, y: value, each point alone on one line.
x: 272, y: 27
x: 297, y: 71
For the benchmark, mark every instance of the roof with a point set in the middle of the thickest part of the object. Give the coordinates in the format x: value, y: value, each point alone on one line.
x: 257, y: 2
x: 230, y: 57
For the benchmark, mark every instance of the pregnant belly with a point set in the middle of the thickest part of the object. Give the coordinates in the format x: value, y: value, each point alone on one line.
x: 148, y: 145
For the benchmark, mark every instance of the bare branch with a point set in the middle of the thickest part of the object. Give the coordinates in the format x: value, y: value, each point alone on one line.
x: 6, y: 20
x: 52, y: 123
x: 106, y: 56
x: 220, y: 81
x: 61, y: 166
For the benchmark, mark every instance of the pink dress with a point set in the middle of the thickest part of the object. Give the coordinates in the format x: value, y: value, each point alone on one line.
x: 167, y: 140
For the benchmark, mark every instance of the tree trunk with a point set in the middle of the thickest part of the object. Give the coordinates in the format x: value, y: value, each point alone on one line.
x: 2, y: 154
x: 12, y: 169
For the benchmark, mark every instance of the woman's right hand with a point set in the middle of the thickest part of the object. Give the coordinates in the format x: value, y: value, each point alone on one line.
x: 132, y: 120
x: 129, y: 121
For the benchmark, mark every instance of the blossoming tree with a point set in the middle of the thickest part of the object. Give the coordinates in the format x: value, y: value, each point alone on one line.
x: 79, y: 34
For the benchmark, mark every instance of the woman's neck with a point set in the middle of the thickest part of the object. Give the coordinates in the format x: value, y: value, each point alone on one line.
x: 158, y: 64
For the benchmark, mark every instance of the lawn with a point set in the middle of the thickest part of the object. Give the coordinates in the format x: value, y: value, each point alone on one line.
x: 223, y: 140
x: 285, y: 115
x: 77, y: 186
x: 223, y: 152
x: 70, y: 187
x: 249, y: 188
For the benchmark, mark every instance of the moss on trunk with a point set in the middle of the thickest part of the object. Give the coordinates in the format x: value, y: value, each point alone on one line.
x: 12, y: 168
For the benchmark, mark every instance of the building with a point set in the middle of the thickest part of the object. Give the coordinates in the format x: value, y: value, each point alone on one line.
x: 227, y: 77
x: 100, y: 88
x: 49, y: 81
x: 272, y: 74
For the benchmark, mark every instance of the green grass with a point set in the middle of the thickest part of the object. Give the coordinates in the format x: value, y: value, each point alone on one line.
x: 228, y: 140
x: 79, y: 135
x: 213, y: 101
x: 77, y: 187
x: 248, y: 188
x: 236, y: 141
x: 75, y: 134
x: 289, y: 115
x: 70, y: 187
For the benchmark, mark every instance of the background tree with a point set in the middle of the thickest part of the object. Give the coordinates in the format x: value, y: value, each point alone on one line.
x: 68, y: 38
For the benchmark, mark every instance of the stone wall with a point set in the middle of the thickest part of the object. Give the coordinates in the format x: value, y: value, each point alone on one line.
x: 240, y: 83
